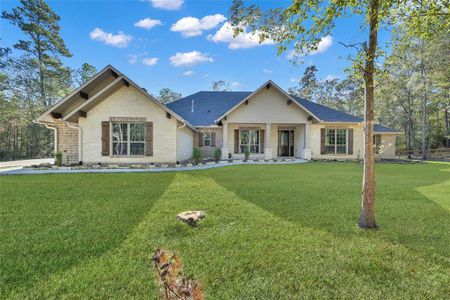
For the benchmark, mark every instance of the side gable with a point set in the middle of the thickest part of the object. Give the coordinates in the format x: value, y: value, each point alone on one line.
x: 87, y: 96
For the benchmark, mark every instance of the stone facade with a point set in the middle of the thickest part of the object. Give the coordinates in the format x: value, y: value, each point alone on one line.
x: 208, y: 151
x: 67, y: 142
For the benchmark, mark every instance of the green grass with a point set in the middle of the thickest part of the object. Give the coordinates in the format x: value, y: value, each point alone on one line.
x: 271, y: 232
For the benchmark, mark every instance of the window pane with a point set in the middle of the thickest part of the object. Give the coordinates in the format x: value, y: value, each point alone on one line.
x: 206, y: 139
x: 120, y: 148
x: 244, y: 137
x: 330, y: 137
x: 136, y: 148
x: 119, y: 132
x: 329, y: 149
x: 341, y: 149
x: 341, y: 136
x: 137, y: 132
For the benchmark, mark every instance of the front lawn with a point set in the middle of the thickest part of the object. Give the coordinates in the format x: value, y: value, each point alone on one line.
x: 271, y: 232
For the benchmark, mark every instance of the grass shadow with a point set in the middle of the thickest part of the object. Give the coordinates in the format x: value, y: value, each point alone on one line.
x: 327, y: 196
x: 49, y: 223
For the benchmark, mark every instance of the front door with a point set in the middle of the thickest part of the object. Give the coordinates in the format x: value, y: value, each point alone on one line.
x: 286, y: 143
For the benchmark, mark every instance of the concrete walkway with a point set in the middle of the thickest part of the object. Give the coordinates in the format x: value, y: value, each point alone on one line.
x: 68, y: 170
x: 6, y: 166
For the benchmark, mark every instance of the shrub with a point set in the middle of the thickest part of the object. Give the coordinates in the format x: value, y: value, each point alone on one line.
x: 197, y: 155
x: 217, y: 154
x: 58, y: 158
x: 247, y: 153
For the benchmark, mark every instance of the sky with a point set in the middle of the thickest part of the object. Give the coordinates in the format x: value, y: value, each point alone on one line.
x: 185, y: 45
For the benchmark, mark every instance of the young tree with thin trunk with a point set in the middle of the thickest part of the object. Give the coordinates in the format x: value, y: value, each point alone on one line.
x: 302, y: 25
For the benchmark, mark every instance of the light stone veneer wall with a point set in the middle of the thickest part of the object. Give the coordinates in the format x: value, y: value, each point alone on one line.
x: 208, y: 151
x: 129, y: 102
x: 358, y: 144
x: 387, y: 149
x: 67, y: 142
x: 185, y: 143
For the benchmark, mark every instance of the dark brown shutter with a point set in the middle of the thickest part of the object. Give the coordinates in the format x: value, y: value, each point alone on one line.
x: 236, y: 141
x: 213, y: 139
x: 377, y: 143
x: 261, y: 140
x: 322, y: 141
x: 149, y: 138
x: 350, y: 141
x: 105, y: 138
x: 200, y: 139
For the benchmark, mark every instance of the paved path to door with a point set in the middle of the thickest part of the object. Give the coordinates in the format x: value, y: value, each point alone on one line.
x: 131, y: 170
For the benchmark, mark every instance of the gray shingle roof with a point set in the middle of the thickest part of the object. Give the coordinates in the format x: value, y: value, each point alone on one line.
x: 325, y: 113
x: 210, y: 105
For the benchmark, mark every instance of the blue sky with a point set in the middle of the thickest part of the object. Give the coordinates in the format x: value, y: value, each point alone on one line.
x: 108, y: 32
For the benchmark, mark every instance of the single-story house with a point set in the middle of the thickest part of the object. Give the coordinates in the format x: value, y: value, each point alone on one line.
x: 110, y: 119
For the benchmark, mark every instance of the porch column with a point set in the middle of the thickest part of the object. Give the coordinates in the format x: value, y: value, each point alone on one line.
x: 267, y: 143
x: 307, y: 149
x: 225, y: 149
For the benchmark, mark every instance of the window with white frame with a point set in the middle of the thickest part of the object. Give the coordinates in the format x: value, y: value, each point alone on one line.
x: 207, y: 139
x: 336, y: 141
x: 249, y: 139
x: 128, y: 138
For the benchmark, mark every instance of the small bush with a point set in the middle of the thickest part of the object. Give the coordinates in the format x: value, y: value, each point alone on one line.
x: 58, y: 158
x: 217, y: 154
x: 247, y: 153
x: 197, y: 155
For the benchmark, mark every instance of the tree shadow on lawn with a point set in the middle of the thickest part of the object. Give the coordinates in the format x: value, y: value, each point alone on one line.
x: 51, y: 222
x: 327, y: 196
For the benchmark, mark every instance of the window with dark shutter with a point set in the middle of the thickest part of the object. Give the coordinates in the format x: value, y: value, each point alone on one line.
x: 261, y: 140
x: 149, y: 138
x: 105, y: 138
x: 200, y: 139
x: 236, y: 141
x: 322, y: 141
x: 350, y: 141
x: 213, y: 139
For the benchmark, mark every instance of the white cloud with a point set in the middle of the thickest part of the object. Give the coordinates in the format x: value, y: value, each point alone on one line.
x: 294, y: 80
x: 132, y: 58
x: 330, y: 78
x: 120, y: 40
x: 167, y: 4
x: 188, y: 73
x: 190, y: 26
x: 147, y: 23
x: 243, y: 40
x: 150, y: 61
x: 324, y: 44
x: 184, y: 59
x: 236, y: 84
x: 267, y: 71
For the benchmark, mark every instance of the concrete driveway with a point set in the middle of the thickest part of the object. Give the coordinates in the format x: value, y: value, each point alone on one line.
x: 19, y: 164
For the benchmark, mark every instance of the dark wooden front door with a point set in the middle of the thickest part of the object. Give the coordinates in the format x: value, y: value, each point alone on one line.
x: 286, y: 143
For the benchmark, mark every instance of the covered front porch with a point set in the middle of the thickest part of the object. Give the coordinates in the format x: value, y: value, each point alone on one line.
x: 266, y: 140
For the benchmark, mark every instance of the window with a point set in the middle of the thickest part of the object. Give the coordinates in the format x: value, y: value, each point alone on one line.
x: 377, y: 143
x: 128, y: 138
x: 336, y: 141
x: 207, y: 139
x: 249, y: 139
